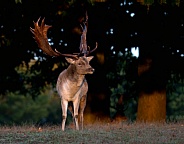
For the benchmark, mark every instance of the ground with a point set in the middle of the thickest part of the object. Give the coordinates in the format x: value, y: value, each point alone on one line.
x: 98, y: 132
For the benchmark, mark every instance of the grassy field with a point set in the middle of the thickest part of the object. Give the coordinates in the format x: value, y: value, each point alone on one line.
x: 96, y: 133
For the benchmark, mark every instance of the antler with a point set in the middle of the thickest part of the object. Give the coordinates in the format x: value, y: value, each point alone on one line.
x: 84, y: 49
x: 40, y: 35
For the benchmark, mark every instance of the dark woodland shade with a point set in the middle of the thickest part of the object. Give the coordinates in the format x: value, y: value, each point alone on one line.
x: 153, y: 27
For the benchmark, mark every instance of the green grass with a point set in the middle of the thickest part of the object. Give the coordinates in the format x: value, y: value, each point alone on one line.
x: 98, y: 133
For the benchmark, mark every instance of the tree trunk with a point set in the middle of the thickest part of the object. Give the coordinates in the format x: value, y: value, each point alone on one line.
x: 152, y: 107
x: 152, y: 90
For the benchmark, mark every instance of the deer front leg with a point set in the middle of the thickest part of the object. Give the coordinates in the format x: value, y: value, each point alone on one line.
x: 64, y: 105
x: 76, y: 109
x: 81, y: 111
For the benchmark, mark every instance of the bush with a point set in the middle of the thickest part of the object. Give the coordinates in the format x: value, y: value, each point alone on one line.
x: 175, y: 100
x: 16, y: 108
x: 122, y: 81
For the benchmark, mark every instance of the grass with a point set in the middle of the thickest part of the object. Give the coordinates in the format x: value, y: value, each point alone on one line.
x: 96, y: 133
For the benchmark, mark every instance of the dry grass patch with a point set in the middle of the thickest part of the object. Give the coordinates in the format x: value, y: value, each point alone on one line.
x: 98, y: 133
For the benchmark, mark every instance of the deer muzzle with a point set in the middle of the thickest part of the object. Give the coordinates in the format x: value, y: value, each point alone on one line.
x: 91, y: 70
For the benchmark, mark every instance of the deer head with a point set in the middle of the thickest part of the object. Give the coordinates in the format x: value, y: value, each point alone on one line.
x: 81, y: 65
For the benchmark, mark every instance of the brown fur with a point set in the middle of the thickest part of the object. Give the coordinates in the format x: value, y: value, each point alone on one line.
x: 72, y: 86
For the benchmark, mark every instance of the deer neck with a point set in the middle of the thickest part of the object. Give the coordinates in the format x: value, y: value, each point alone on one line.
x: 75, y: 77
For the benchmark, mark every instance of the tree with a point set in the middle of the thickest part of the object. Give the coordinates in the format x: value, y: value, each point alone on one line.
x: 158, y: 62
x: 152, y: 91
x: 159, y: 41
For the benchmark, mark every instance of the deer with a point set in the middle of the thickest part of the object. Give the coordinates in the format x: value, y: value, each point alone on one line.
x: 71, y: 84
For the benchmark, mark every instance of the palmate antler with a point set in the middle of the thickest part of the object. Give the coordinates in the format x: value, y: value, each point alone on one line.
x: 40, y: 35
x: 84, y: 49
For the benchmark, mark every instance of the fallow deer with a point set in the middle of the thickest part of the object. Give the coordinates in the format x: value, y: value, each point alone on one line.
x: 71, y: 84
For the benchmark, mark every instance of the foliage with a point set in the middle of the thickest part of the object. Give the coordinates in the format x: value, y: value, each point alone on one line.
x: 122, y: 83
x: 39, y: 74
x: 175, y: 98
x: 17, y: 108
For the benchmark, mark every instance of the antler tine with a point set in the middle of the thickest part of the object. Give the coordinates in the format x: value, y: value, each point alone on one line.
x: 38, y: 20
x: 67, y: 55
x: 93, y: 49
x: 86, y: 16
x: 88, y: 52
x: 40, y: 36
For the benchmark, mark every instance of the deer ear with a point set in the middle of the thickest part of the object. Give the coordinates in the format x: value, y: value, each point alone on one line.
x: 89, y: 58
x: 70, y: 60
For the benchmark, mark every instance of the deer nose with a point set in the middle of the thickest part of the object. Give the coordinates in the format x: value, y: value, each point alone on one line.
x: 92, y: 69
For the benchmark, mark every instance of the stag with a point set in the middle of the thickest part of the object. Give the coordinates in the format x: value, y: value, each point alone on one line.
x: 71, y: 83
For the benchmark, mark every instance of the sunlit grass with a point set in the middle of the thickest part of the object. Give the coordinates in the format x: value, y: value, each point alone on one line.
x: 98, y: 133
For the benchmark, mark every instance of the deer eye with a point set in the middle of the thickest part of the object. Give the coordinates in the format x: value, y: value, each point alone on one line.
x: 79, y: 64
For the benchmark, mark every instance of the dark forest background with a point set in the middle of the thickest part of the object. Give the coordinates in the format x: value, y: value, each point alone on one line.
x: 28, y: 76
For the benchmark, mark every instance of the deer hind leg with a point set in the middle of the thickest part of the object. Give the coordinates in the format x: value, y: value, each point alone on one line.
x: 70, y: 108
x: 76, y: 109
x: 81, y: 111
x: 64, y: 105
